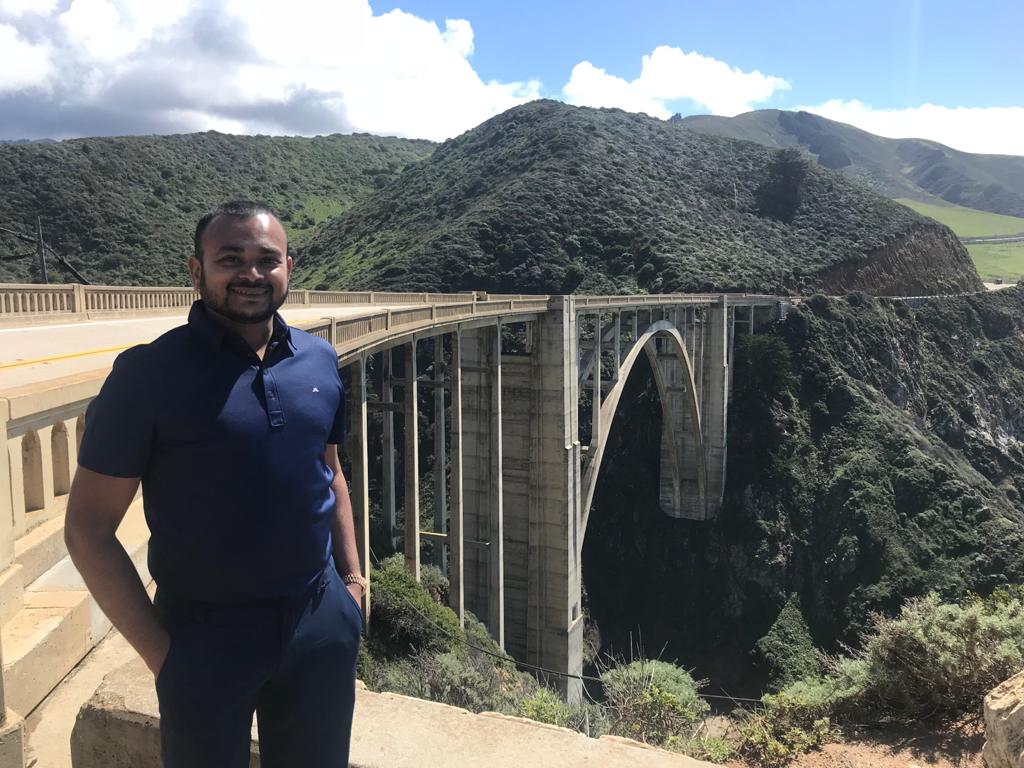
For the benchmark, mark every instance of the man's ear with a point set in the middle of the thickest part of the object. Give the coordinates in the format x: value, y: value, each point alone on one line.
x: 290, y: 264
x: 195, y: 269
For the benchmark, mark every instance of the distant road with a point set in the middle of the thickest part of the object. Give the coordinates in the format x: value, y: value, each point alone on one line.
x: 995, y: 239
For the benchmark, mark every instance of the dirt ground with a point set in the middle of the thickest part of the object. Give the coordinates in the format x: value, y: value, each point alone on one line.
x: 959, y: 747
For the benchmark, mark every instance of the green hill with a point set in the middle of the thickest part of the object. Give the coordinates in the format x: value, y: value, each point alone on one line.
x: 552, y: 198
x: 913, y: 168
x: 122, y: 210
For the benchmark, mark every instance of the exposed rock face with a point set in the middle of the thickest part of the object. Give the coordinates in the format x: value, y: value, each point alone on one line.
x: 926, y: 261
x: 1004, y: 724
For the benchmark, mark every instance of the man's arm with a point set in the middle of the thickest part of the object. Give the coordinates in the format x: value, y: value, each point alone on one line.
x: 96, y: 506
x: 343, y: 532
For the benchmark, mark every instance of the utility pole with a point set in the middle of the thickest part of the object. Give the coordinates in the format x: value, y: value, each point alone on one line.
x: 41, y: 251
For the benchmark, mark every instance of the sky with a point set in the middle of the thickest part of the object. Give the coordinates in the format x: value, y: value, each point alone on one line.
x: 943, y: 70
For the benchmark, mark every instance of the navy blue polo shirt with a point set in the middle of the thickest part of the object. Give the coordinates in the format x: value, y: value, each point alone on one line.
x: 230, y: 450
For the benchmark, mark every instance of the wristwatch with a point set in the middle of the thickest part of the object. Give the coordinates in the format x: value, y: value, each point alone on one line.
x: 355, y: 578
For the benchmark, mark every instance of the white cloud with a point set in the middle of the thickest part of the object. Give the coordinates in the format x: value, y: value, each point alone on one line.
x: 96, y: 26
x: 308, y: 66
x: 990, y: 130
x: 669, y: 75
x: 23, y: 7
x: 22, y: 64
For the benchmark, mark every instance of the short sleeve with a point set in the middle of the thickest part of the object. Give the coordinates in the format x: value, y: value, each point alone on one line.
x: 119, y: 422
x: 340, y: 427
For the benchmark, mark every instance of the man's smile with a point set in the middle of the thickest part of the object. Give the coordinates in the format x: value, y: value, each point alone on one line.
x: 250, y: 293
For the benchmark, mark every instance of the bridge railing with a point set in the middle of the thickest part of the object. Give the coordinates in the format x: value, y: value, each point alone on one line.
x: 30, y: 303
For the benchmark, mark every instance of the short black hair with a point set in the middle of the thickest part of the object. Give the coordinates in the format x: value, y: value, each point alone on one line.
x: 240, y: 209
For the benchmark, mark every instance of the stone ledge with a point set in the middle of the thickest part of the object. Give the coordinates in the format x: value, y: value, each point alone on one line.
x: 119, y: 728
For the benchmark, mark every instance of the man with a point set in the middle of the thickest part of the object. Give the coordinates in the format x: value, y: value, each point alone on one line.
x: 231, y: 423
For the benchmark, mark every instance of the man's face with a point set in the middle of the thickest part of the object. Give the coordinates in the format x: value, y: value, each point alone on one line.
x: 243, y: 275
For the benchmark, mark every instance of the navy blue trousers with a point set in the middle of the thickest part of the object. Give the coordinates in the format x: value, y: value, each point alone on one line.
x: 292, y: 662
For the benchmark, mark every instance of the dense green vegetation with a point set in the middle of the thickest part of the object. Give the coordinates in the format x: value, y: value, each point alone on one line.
x: 551, y: 198
x: 934, y: 662
x: 915, y: 168
x: 122, y: 210
x: 876, y: 453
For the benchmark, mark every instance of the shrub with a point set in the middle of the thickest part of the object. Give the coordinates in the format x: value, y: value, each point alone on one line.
x: 405, y: 618
x: 546, y: 706
x: 937, y: 661
x: 435, y: 582
x: 787, y: 648
x: 789, y: 724
x: 652, y: 700
x: 470, y: 681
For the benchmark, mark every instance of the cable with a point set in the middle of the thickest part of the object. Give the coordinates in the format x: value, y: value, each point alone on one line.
x: 534, y: 667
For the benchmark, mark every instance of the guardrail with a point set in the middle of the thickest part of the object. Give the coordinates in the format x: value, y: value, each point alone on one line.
x: 54, y: 303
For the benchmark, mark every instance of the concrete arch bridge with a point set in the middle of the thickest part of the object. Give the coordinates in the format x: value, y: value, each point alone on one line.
x: 523, y: 395
x: 520, y: 394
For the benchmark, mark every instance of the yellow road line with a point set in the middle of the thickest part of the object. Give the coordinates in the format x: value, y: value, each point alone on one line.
x: 51, y: 358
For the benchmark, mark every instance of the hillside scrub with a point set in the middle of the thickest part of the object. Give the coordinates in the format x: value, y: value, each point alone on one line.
x: 934, y: 662
x: 549, y: 198
x: 123, y: 210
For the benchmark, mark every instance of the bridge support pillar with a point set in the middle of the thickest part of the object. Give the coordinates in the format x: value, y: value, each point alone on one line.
x: 714, y: 399
x: 679, y: 484
x: 483, y: 511
x: 360, y: 478
x: 554, y: 621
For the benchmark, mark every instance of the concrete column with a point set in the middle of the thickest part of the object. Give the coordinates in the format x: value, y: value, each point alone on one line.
x: 679, y: 489
x: 411, y: 462
x: 12, y: 490
x: 387, y: 398
x: 16, y: 472
x: 554, y: 621
x: 64, y: 452
x: 496, y: 589
x: 38, y: 456
x: 360, y: 480
x: 482, y: 480
x: 714, y: 399
x: 9, y: 490
x: 517, y: 478
x: 456, y: 589
x: 440, y: 455
x: 617, y: 345
x: 595, y: 384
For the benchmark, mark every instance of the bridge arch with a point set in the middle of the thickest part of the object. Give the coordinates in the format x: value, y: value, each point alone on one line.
x: 668, y: 333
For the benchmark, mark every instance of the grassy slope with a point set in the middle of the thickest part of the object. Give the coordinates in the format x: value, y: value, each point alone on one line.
x: 123, y: 209
x: 1002, y: 260
x: 552, y: 198
x: 967, y: 222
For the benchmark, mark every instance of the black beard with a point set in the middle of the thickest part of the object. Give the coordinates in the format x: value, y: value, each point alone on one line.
x: 222, y: 308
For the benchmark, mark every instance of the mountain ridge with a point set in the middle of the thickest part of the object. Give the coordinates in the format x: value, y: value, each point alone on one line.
x: 917, y: 168
x: 550, y: 198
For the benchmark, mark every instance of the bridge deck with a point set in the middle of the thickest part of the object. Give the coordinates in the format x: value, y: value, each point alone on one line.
x: 33, y: 354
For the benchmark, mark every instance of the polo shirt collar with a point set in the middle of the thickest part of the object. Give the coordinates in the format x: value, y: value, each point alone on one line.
x: 213, y: 333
